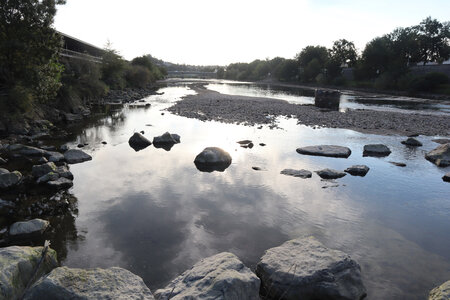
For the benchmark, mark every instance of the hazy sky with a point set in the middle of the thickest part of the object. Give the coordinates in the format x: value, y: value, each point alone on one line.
x: 221, y: 32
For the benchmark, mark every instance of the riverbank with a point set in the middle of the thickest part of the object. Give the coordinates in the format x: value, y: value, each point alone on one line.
x: 211, y: 105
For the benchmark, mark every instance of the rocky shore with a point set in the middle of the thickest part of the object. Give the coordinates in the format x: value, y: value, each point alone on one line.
x: 211, y: 105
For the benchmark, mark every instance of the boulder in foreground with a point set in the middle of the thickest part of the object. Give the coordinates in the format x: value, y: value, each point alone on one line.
x: 75, y: 156
x: 440, y: 156
x: 68, y: 283
x: 33, y: 227
x: 212, y: 159
x: 222, y: 276
x: 441, y: 292
x: 325, y: 150
x: 17, y: 265
x: 306, y: 269
x: 138, y: 142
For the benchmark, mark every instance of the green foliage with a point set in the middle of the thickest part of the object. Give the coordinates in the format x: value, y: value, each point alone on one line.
x: 113, y: 69
x: 138, y: 76
x: 287, y: 70
x: 343, y: 52
x: 319, y: 53
x: 428, y: 82
x: 433, y: 38
x: 29, y: 49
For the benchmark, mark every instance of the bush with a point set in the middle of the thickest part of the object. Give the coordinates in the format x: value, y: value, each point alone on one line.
x: 138, y: 76
x: 427, y: 82
x: 385, y: 81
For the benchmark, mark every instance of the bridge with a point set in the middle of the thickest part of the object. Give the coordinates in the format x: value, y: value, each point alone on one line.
x: 191, y: 74
x: 78, y: 49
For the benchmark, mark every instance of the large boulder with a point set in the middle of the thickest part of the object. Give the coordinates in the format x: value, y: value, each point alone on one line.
x: 10, y: 179
x: 297, y: 173
x: 358, y: 170
x: 330, y: 174
x: 28, y: 229
x: 440, y: 156
x: 212, y: 159
x: 378, y: 150
x: 222, y: 276
x: 41, y: 170
x: 18, y: 264
x: 325, y: 150
x: 55, y: 156
x: 412, y: 142
x: 441, y: 292
x: 71, y: 283
x: 75, y: 156
x: 166, y: 138
x: 306, y: 269
x: 138, y: 142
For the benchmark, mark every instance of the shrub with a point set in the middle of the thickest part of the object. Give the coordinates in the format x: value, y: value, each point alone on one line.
x: 138, y: 76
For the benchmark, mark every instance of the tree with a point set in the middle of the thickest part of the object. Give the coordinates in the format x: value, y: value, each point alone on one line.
x: 113, y: 68
x: 29, y: 50
x: 312, y: 59
x: 375, y: 58
x: 343, y: 52
x: 434, y: 40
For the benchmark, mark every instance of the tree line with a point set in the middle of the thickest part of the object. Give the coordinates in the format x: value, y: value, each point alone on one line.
x: 383, y: 64
x: 32, y: 70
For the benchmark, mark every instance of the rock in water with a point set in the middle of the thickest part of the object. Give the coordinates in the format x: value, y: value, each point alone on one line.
x: 212, y: 159
x: 305, y: 269
x: 379, y: 150
x: 441, y: 141
x: 440, y: 156
x: 17, y: 265
x: 111, y: 283
x: 446, y: 177
x: 166, y: 141
x: 222, y: 276
x: 326, y: 150
x: 75, y: 156
x: 60, y: 183
x: 138, y: 142
x: 412, y: 142
x: 441, y: 292
x: 30, y: 228
x: 358, y: 170
x: 297, y: 173
x: 10, y: 179
x: 330, y: 174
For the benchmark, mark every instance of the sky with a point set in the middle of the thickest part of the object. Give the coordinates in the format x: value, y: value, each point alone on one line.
x: 217, y: 32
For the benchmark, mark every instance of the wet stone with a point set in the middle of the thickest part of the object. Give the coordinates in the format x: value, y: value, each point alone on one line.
x: 358, y: 170
x: 377, y: 150
x: 297, y: 173
x: 330, y: 174
x: 325, y: 150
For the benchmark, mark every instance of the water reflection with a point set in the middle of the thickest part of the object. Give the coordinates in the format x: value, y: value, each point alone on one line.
x: 153, y: 212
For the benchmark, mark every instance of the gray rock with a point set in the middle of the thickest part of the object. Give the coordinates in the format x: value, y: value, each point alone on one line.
x: 441, y: 141
x: 412, y: 142
x: 71, y: 283
x: 55, y: 156
x: 40, y: 170
x: 379, y: 150
x: 138, y: 142
x: 212, y: 159
x: 325, y: 150
x: 28, y: 228
x: 441, y: 292
x: 42, y: 160
x: 440, y: 156
x: 3, y: 171
x: 17, y: 265
x: 358, y: 170
x: 297, y: 173
x: 64, y: 148
x: 398, y: 164
x: 222, y: 276
x: 306, y: 269
x: 167, y: 138
x: 60, y: 183
x: 48, y: 177
x: 330, y: 174
x: 9, y: 180
x: 30, y: 151
x: 446, y: 177
x: 75, y: 156
x: 63, y: 171
x: 244, y: 142
x: 2, y: 161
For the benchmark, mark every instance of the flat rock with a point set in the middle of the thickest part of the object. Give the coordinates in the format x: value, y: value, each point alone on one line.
x: 441, y: 141
x: 330, y: 174
x: 244, y: 142
x: 446, y: 177
x: 40, y: 170
x: 212, y: 159
x: 358, y: 170
x: 138, y: 142
x: 398, y: 164
x: 222, y: 276
x: 297, y: 173
x: 17, y: 265
x: 325, y: 150
x: 441, y: 292
x: 10, y: 179
x: 306, y: 269
x: 74, y: 156
x: 440, y: 156
x: 60, y: 183
x: 48, y: 177
x: 379, y: 150
x: 71, y: 283
x: 27, y: 150
x: 412, y: 142
x: 28, y: 228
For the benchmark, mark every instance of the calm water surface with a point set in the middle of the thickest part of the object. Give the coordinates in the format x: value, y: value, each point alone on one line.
x: 154, y: 213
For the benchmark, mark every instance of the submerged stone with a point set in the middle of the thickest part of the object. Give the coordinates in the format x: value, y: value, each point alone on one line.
x: 330, y: 174
x: 325, y: 150
x: 358, y: 170
x: 297, y: 173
